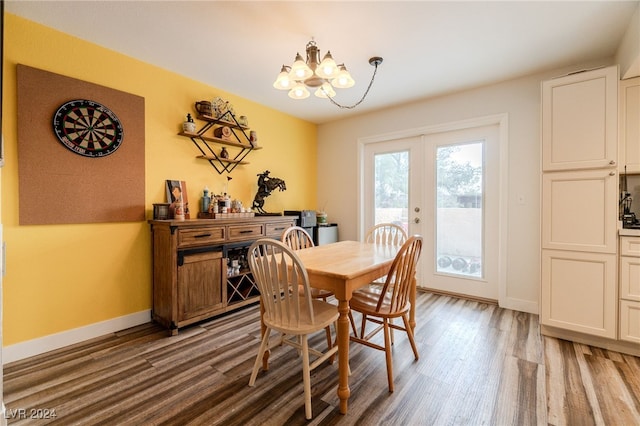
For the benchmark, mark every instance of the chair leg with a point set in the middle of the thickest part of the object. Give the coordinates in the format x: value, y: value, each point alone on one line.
x: 387, y: 350
x: 353, y: 324
x: 327, y: 331
x: 306, y: 377
x: 261, y: 351
x: 335, y: 343
x: 410, y: 335
x: 363, y: 325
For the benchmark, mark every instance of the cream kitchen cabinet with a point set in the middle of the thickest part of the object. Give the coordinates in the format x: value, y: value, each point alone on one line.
x: 580, y: 210
x: 629, y: 144
x: 579, y: 292
x: 579, y: 206
x: 580, y: 120
x: 630, y: 289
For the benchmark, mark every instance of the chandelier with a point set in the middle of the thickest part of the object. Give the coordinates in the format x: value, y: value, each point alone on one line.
x: 322, y: 76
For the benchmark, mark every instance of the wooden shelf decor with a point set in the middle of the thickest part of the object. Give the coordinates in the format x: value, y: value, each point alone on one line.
x: 209, y: 144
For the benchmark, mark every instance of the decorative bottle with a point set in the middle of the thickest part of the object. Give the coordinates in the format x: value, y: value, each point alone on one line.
x: 206, y: 200
x: 213, y: 207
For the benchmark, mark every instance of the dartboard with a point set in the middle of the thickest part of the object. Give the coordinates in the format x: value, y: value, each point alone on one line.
x: 88, y: 128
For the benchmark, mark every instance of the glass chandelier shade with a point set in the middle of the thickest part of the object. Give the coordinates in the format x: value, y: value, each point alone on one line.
x: 343, y: 79
x: 299, y: 91
x: 300, y: 71
x: 283, y: 82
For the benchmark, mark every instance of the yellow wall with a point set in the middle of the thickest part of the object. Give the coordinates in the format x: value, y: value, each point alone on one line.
x: 67, y: 276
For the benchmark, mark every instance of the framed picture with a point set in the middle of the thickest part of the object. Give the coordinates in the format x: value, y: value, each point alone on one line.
x: 177, y: 193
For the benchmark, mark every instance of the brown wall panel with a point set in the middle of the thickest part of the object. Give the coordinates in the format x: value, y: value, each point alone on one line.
x: 57, y: 186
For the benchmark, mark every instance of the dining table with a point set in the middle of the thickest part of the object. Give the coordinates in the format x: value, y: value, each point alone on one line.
x: 342, y: 268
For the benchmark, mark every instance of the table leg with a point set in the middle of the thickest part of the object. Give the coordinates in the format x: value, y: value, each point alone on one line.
x: 263, y: 329
x: 343, y: 355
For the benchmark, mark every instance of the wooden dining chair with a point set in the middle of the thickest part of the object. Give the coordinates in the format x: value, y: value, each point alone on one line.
x: 296, y: 238
x: 279, y: 273
x: 386, y: 233
x: 381, y: 304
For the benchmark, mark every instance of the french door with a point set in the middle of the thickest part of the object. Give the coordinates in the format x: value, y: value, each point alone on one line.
x: 445, y: 186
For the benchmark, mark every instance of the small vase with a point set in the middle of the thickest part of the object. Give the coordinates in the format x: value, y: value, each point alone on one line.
x: 189, y: 126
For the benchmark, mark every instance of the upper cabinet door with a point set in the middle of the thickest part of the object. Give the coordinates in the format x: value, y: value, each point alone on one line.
x: 630, y: 125
x: 580, y: 120
x: 580, y: 210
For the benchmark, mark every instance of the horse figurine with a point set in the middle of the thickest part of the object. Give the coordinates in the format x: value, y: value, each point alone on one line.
x: 266, y: 184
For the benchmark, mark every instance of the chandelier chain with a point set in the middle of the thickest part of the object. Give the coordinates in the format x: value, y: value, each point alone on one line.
x: 375, y: 64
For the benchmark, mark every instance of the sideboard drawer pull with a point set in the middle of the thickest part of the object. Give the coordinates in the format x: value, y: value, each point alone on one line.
x: 247, y: 231
x: 202, y: 236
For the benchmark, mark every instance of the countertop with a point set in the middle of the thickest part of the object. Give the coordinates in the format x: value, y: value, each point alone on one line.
x: 629, y: 232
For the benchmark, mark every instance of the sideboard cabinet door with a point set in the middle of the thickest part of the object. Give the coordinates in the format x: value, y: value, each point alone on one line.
x: 200, y: 289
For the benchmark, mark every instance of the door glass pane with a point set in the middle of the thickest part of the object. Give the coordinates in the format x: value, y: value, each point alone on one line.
x: 459, y: 209
x: 391, y: 182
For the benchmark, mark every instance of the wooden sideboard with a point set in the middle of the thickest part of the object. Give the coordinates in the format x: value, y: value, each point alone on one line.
x: 190, y: 264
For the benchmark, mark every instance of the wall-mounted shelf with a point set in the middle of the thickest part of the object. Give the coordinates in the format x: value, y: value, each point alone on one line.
x: 208, y: 145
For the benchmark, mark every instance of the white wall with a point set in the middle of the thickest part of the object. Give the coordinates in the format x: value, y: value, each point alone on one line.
x: 520, y: 99
x: 628, y: 54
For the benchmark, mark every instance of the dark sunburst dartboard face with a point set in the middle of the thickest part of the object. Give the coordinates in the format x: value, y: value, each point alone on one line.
x: 88, y: 128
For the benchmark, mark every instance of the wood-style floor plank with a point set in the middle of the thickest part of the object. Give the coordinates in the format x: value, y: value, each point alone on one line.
x: 479, y: 364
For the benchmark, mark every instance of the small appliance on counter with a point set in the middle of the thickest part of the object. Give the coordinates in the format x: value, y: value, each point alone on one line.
x: 630, y: 221
x: 304, y: 218
x: 322, y: 233
x: 627, y: 216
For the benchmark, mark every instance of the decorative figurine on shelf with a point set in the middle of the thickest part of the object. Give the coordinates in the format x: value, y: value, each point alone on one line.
x: 189, y: 126
x: 224, y: 153
x: 266, y: 184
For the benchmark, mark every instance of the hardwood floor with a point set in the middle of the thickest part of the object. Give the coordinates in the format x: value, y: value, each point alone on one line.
x: 479, y: 364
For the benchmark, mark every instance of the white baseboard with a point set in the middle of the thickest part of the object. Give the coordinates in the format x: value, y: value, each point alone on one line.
x: 520, y: 305
x: 58, y: 340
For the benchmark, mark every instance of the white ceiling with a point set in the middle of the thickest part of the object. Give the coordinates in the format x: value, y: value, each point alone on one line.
x: 429, y: 48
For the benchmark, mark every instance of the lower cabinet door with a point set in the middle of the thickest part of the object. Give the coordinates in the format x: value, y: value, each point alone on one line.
x: 200, y: 289
x: 630, y: 321
x: 579, y: 292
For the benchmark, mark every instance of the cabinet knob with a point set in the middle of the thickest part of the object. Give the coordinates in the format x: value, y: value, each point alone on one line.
x: 612, y: 162
x: 612, y: 173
